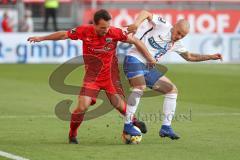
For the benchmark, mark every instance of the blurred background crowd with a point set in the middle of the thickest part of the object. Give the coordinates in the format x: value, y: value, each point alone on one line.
x: 50, y: 15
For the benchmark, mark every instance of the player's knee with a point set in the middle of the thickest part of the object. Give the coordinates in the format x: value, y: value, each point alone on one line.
x: 81, y: 108
x: 170, y: 89
x: 118, y: 107
x: 142, y: 87
x: 174, y: 90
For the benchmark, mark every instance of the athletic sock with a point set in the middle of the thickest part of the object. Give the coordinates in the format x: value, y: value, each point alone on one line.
x: 169, y: 107
x: 76, y: 120
x: 132, y: 104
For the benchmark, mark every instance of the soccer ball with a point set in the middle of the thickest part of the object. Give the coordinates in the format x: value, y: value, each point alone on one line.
x: 128, y: 139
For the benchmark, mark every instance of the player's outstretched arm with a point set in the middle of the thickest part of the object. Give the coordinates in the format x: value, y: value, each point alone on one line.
x: 141, y: 48
x: 198, y: 57
x: 60, y: 35
x: 132, y: 28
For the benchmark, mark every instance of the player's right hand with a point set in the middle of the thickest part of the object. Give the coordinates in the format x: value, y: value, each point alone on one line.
x: 151, y: 64
x: 217, y: 56
x: 34, y: 39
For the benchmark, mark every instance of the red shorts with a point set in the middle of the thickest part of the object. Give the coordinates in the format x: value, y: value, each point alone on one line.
x: 92, y: 89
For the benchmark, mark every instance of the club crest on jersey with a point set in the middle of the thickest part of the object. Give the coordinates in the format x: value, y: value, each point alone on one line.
x: 108, y: 40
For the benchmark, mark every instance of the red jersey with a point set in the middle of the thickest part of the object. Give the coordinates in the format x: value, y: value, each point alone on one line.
x: 99, y: 54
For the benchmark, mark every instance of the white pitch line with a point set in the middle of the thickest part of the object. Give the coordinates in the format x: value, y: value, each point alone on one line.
x: 217, y: 114
x: 11, y: 156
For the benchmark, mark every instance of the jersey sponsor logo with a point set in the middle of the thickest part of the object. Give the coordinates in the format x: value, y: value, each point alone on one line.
x: 109, y: 47
x: 106, y: 48
x: 160, y: 50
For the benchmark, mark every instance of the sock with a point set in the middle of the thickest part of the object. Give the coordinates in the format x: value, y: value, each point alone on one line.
x: 76, y: 120
x: 132, y: 104
x: 169, y: 107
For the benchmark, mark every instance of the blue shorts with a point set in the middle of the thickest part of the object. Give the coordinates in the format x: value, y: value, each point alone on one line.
x: 133, y: 68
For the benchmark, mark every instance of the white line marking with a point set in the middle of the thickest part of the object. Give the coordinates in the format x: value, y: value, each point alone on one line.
x: 11, y: 156
x: 217, y: 114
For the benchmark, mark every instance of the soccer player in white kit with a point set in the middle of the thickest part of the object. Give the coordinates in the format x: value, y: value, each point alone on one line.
x: 160, y: 38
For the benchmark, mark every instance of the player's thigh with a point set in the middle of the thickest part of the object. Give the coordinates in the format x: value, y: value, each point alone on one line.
x: 164, y: 85
x: 152, y: 76
x: 89, y: 90
x: 117, y: 100
x: 134, y: 71
x: 138, y: 82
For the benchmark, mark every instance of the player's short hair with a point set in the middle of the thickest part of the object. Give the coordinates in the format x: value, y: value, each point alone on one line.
x: 101, y: 14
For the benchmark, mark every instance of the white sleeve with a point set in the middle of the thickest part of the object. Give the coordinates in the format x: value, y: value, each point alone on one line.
x: 178, y: 47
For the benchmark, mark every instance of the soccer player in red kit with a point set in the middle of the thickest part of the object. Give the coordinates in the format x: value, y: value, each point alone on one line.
x: 7, y: 25
x: 101, y: 64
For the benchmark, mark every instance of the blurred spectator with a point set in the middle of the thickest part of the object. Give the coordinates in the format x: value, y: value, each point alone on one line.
x: 26, y: 24
x: 51, y: 7
x: 7, y: 25
x: 8, y: 1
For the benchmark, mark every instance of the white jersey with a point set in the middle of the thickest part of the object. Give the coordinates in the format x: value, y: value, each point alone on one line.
x: 156, y: 35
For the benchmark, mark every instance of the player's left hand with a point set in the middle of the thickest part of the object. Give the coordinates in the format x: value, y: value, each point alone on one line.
x: 216, y: 56
x: 132, y: 28
x: 34, y: 39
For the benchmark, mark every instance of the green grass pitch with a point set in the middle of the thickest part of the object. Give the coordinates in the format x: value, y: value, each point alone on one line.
x: 208, y: 121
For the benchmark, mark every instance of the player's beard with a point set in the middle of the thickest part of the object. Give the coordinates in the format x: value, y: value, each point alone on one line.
x: 103, y: 33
